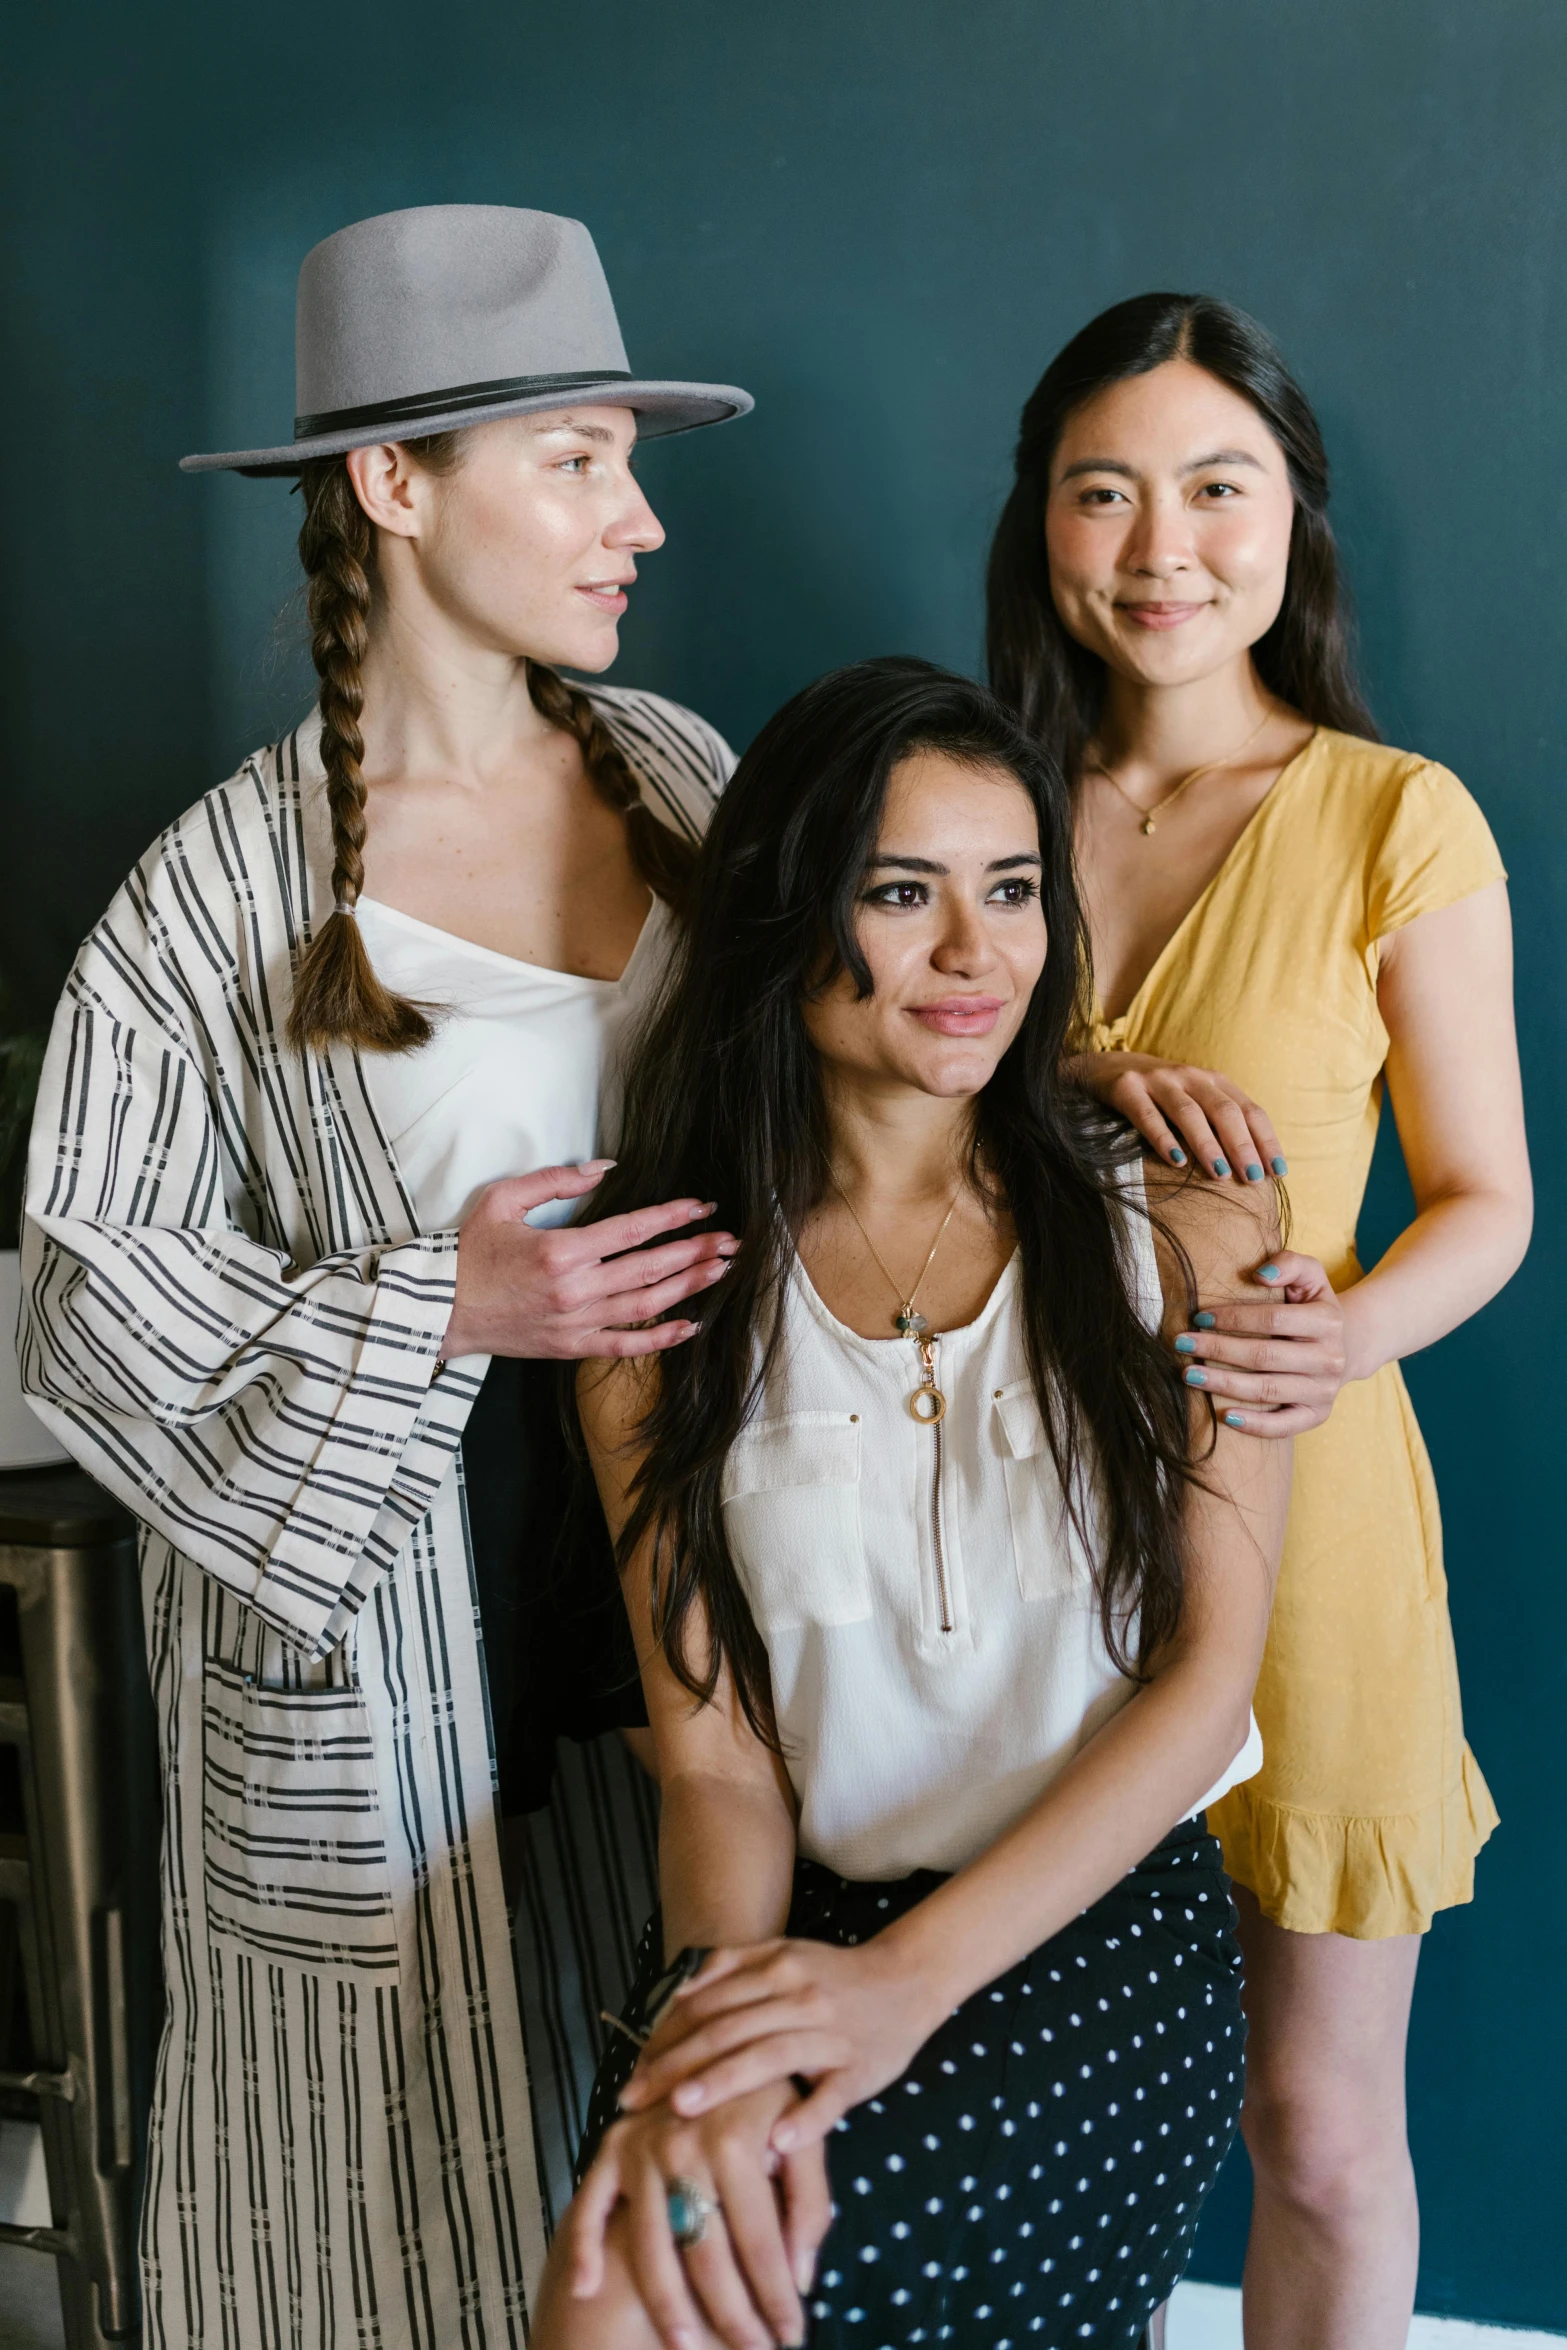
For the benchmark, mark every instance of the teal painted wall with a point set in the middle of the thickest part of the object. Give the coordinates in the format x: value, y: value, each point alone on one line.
x: 882, y: 218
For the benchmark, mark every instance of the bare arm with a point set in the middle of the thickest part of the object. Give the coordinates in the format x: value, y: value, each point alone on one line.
x: 852, y: 2019
x: 726, y: 1855
x: 1445, y: 994
x: 726, y: 1828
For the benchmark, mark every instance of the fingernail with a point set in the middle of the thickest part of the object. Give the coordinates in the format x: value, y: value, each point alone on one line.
x: 707, y: 1207
x: 1203, y: 1322
x: 1221, y: 1166
x: 1177, y: 1155
x: 1269, y: 1273
x: 1233, y: 1420
x: 1196, y: 1378
x: 717, y: 1272
x: 1185, y: 1345
x: 1281, y: 1166
x: 690, y: 2098
x: 782, y: 2138
x: 804, y: 2271
x: 1254, y: 1173
x: 598, y: 1166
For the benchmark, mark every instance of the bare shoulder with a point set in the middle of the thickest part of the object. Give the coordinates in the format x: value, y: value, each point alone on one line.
x: 1210, y: 1237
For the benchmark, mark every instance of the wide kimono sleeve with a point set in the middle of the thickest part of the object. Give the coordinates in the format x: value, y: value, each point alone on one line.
x: 282, y: 1423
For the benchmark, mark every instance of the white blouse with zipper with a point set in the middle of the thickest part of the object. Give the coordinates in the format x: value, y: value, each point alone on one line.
x: 926, y: 1602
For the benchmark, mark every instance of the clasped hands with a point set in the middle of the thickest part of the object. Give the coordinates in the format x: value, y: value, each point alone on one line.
x: 752, y: 2064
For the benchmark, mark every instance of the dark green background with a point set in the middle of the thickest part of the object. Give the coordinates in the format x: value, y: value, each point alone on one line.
x: 883, y: 219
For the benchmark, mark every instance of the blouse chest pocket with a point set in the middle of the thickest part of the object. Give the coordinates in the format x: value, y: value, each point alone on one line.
x: 1052, y: 1557
x: 293, y: 1839
x: 791, y: 1498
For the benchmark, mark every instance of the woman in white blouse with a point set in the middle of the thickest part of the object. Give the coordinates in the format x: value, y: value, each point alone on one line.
x: 323, y: 1078
x: 949, y: 1597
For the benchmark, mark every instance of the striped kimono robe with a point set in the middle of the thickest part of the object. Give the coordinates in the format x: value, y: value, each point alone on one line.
x: 232, y: 1320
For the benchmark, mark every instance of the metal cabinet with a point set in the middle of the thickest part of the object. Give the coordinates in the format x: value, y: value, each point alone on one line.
x: 79, y: 1878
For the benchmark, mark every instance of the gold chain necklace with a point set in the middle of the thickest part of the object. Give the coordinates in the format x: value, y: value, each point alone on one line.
x: 927, y: 1404
x: 1098, y: 767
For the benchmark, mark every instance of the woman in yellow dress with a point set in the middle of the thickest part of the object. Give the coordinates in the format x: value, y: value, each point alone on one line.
x: 1276, y: 896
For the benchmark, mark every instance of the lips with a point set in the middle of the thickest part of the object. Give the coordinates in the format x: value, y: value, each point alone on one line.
x: 960, y: 1015
x: 605, y: 595
x: 1161, y: 615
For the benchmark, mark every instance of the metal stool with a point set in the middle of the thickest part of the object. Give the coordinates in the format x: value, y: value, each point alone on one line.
x: 81, y: 1877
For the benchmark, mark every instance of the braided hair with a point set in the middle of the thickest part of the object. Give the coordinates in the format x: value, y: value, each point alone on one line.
x: 338, y: 999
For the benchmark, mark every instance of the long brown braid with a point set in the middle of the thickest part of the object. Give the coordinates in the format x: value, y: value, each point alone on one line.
x: 662, y: 858
x: 338, y: 998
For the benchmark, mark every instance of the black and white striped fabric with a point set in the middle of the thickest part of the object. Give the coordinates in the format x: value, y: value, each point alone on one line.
x: 232, y: 1320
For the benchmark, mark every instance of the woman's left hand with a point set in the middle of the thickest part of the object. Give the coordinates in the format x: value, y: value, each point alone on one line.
x: 848, y: 2021
x: 1274, y: 1368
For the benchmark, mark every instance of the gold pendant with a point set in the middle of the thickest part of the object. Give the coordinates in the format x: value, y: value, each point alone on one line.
x: 927, y: 1404
x: 1148, y: 826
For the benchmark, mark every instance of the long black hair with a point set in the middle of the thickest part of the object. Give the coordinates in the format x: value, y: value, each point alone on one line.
x: 724, y: 1102
x: 1056, y: 685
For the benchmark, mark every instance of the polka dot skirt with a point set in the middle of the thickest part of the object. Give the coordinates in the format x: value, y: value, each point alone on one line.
x: 1035, y: 2176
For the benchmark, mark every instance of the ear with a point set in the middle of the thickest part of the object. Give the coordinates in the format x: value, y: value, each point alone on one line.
x: 388, y: 484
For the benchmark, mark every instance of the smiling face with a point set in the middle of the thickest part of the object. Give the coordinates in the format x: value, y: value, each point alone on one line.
x: 528, y: 543
x: 951, y: 927
x: 1167, y: 525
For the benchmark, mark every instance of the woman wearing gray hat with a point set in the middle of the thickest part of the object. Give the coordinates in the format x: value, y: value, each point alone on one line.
x: 322, y: 1081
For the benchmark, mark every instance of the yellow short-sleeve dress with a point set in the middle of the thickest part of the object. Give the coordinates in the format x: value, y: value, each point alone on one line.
x: 1369, y: 1809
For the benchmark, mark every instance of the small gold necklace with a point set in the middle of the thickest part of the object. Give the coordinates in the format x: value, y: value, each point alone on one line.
x: 1148, y: 826
x: 927, y: 1404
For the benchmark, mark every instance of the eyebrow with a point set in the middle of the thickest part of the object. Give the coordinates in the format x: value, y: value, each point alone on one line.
x: 583, y: 432
x: 929, y: 865
x: 1130, y: 472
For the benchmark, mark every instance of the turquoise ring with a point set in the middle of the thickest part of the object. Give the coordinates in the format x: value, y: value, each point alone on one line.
x: 689, y: 2212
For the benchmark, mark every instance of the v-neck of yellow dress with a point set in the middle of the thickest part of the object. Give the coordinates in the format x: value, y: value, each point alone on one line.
x: 1106, y: 1034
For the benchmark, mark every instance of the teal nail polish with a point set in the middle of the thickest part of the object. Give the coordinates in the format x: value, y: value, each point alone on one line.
x: 1254, y: 1173
x: 1177, y: 1155
x: 1233, y: 1420
x: 1269, y: 1273
x: 1204, y: 1322
x: 1221, y: 1166
x: 1185, y: 1346
x: 1281, y: 1166
x: 1196, y: 1378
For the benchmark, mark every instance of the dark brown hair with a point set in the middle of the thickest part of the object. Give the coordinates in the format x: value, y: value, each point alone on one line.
x: 1056, y: 685
x: 724, y: 1101
x: 338, y: 998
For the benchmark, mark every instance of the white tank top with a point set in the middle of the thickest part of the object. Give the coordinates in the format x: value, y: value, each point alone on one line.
x: 928, y: 1611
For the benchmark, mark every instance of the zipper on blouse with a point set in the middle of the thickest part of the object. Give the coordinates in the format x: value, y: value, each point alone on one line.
x: 933, y: 1420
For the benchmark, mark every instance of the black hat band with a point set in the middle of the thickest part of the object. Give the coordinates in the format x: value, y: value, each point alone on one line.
x: 505, y: 387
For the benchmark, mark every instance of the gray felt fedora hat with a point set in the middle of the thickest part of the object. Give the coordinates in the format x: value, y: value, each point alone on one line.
x: 451, y: 314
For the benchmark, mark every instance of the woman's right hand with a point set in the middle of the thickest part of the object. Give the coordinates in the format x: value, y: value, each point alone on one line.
x: 758, y: 2252
x: 572, y: 1292
x: 1171, y: 1104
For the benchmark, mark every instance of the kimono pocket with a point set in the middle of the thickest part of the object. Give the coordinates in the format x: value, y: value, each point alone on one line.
x: 1048, y: 1548
x: 791, y: 1498
x: 293, y: 1841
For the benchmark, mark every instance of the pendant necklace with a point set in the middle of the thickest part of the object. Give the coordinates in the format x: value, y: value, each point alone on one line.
x: 1097, y: 767
x: 927, y: 1404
